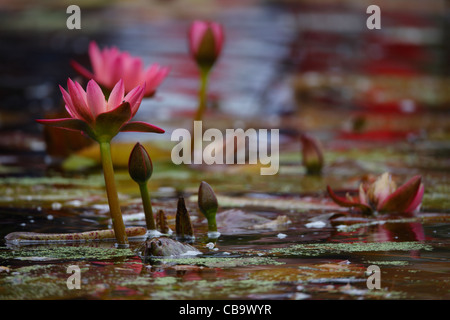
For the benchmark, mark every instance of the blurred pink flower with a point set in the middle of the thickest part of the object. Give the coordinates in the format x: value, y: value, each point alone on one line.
x: 205, y: 42
x: 99, y: 118
x: 383, y: 196
x: 110, y: 65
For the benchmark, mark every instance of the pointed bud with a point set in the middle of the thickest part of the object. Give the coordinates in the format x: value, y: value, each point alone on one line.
x: 183, y: 224
x: 140, y: 165
x: 312, y: 154
x: 207, y: 203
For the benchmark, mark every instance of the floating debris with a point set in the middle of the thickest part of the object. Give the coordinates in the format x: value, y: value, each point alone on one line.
x: 279, y: 223
x: 316, y: 224
x: 96, y: 235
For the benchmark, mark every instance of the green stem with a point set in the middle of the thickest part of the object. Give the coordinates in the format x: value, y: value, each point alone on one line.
x: 149, y: 220
x: 212, y: 225
x: 111, y: 192
x: 202, y: 102
x: 204, y: 75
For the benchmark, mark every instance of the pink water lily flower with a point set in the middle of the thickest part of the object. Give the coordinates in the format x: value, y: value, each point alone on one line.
x: 383, y: 196
x: 206, y: 42
x: 110, y: 65
x: 97, y: 117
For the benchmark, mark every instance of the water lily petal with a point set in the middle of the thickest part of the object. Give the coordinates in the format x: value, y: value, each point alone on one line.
x: 219, y: 37
x: 343, y: 202
x: 78, y: 97
x: 139, y: 126
x: 110, y: 65
x: 69, y: 104
x: 362, y: 195
x: 196, y: 33
x: 116, y: 96
x: 95, y: 98
x: 134, y: 97
x: 96, y: 58
x: 132, y: 71
x: 416, y: 203
x: 118, y: 67
x: 380, y: 190
x: 153, y: 77
x: 402, y: 199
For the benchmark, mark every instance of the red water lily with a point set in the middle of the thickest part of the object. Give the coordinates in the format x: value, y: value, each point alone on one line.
x: 383, y: 196
x: 99, y: 118
x: 110, y: 65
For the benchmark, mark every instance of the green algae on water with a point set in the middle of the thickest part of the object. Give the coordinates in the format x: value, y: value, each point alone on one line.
x: 91, y: 181
x: 220, y: 289
x: 389, y: 263
x: 221, y: 262
x: 324, y: 248
x: 66, y: 253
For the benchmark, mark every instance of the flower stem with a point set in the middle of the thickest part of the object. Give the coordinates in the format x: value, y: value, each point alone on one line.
x: 204, y: 76
x: 111, y: 192
x: 149, y: 220
x: 212, y: 224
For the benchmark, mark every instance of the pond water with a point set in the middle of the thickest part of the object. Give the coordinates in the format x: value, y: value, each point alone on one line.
x: 378, y: 102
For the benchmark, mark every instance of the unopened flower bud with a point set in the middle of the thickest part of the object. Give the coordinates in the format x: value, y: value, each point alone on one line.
x: 207, y: 203
x: 140, y: 165
x: 205, y: 42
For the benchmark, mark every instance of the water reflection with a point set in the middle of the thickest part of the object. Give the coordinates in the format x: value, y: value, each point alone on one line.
x: 400, y: 232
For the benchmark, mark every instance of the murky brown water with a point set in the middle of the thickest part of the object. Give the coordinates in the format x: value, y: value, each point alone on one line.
x: 377, y: 102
